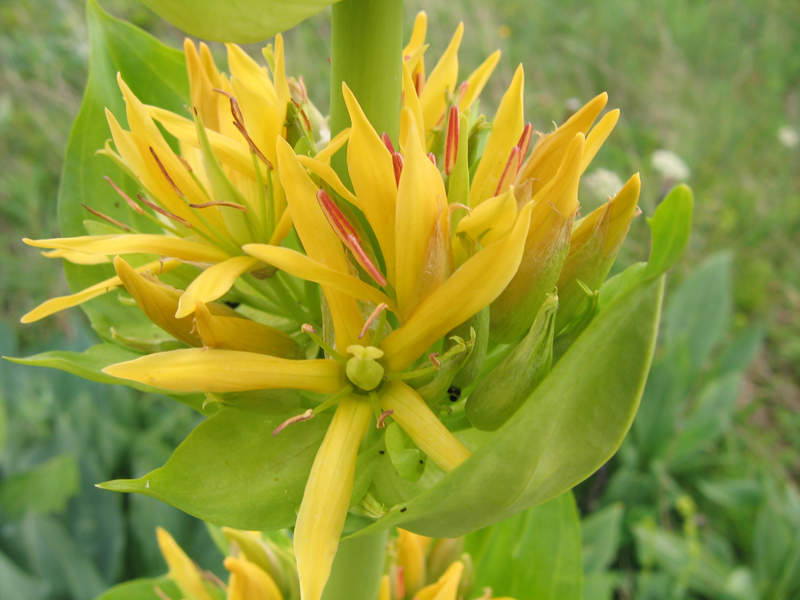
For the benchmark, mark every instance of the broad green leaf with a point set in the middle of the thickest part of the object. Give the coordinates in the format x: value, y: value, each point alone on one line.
x: 157, y: 75
x: 240, y: 21
x: 3, y: 423
x: 143, y: 589
x: 89, y: 365
x: 738, y: 355
x: 601, y: 586
x: 671, y: 226
x: 19, y: 584
x: 601, y: 538
x: 44, y: 489
x: 231, y: 471
x: 732, y: 493
x: 571, y: 425
x: 535, y: 555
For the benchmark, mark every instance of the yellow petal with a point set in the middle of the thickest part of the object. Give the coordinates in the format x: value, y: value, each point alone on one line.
x: 281, y: 85
x: 77, y: 258
x: 547, y: 154
x: 248, y: 582
x: 440, y: 83
x: 411, y: 100
x: 372, y: 173
x: 214, y: 282
x: 411, y: 549
x: 182, y: 569
x: 385, y: 592
x: 418, y: 34
x: 249, y: 71
x: 477, y: 81
x: 411, y: 412
x: 339, y: 140
x: 307, y: 268
x: 327, y: 495
x: 282, y: 229
x: 201, y: 89
x: 57, y: 304
x: 473, y: 286
x: 319, y: 241
x: 562, y: 189
x: 598, y: 135
x: 506, y: 131
x: 237, y: 333
x: 491, y: 220
x: 421, y: 200
x: 158, y: 302
x: 263, y: 121
x: 222, y: 371
x: 327, y: 174
x: 447, y: 586
x: 136, y: 243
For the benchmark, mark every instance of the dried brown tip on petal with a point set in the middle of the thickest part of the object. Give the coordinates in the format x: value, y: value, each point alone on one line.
x: 306, y: 328
x: 164, y: 172
x: 451, y: 143
x: 387, y: 142
x: 161, y: 211
x: 382, y: 419
x: 309, y: 414
x: 125, y: 196
x: 215, y: 203
x: 432, y: 357
x: 375, y: 314
x: 97, y: 213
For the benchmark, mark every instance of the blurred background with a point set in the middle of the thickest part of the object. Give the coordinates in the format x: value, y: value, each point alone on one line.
x: 701, y: 501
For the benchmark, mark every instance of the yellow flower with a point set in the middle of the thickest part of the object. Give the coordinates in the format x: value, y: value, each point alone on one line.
x: 414, y: 278
x: 218, y: 194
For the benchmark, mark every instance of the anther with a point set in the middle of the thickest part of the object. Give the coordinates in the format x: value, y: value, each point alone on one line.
x: 451, y: 145
x: 524, y: 141
x: 161, y: 211
x: 432, y: 157
x: 306, y: 328
x: 125, y: 196
x: 309, y: 414
x: 436, y: 364
x: 387, y: 142
x: 375, y: 314
x: 397, y: 163
x: 348, y: 236
x: 381, y: 423
x: 462, y: 91
x: 510, y: 172
x: 214, y: 203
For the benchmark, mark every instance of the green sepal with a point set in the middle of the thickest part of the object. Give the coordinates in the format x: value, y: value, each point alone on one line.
x: 231, y: 471
x: 572, y: 424
x: 441, y: 386
x: 513, y: 381
x: 408, y: 460
x: 469, y: 371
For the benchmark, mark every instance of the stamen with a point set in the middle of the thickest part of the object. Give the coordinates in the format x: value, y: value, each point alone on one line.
x: 214, y: 203
x: 524, y: 141
x: 375, y: 314
x: 185, y: 163
x: 457, y: 205
x: 306, y: 328
x: 381, y: 423
x: 125, y: 196
x: 451, y: 145
x: 436, y: 364
x: 97, y: 213
x: 387, y: 142
x: 419, y: 82
x: 253, y: 148
x: 312, y: 333
x: 302, y: 114
x: 510, y: 172
x: 333, y: 399
x: 462, y: 91
x: 432, y: 156
x: 399, y: 584
x: 160, y: 210
x: 165, y: 173
x: 309, y: 414
x: 397, y: 163
x: 236, y: 110
x: 348, y: 236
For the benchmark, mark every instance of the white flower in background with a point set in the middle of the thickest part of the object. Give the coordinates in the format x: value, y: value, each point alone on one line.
x: 670, y: 165
x: 602, y: 184
x: 788, y: 136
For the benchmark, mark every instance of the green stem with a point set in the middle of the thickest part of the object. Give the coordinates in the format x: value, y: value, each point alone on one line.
x: 357, y: 569
x: 366, y: 47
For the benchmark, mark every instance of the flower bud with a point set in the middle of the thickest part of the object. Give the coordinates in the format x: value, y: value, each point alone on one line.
x: 507, y: 387
x: 444, y: 552
x: 594, y: 244
x: 479, y: 324
x: 411, y: 550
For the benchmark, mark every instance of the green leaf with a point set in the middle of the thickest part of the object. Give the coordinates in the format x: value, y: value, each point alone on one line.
x: 19, y: 584
x: 572, y: 424
x: 671, y: 226
x: 90, y: 364
x: 142, y: 589
x: 601, y: 538
x: 44, y: 489
x: 231, y: 471
x: 601, y: 586
x: 240, y: 21
x: 404, y: 454
x: 535, y: 555
x: 157, y: 75
x: 3, y: 424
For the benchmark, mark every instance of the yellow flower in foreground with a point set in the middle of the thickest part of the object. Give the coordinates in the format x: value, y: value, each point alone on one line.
x: 413, y: 277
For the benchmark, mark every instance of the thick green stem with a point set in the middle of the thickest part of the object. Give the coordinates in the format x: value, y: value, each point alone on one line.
x: 366, y: 47
x: 357, y: 569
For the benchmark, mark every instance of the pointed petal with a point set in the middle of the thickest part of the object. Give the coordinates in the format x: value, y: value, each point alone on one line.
x: 339, y: 140
x: 327, y: 496
x: 421, y: 199
x: 222, y: 371
x: 77, y: 258
x: 506, y: 130
x: 319, y: 241
x: 281, y: 85
x: 248, y: 582
x: 491, y: 220
x: 440, y: 83
x: 262, y: 119
x: 214, y: 282
x: 182, y: 569
x: 418, y: 34
x: 447, y: 586
x: 473, y: 286
x: 411, y: 551
x: 242, y: 66
x: 202, y: 90
x: 369, y: 163
x: 411, y: 100
x: 303, y: 267
x: 416, y: 418
x: 598, y: 135
x: 55, y: 305
x: 136, y: 243
x: 477, y: 81
x: 325, y: 172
